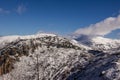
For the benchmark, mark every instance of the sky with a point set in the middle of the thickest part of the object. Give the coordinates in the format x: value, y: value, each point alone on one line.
x: 64, y: 17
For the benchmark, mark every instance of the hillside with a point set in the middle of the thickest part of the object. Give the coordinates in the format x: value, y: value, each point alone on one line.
x: 43, y: 56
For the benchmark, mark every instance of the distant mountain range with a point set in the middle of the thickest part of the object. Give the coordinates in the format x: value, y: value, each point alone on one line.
x: 51, y: 57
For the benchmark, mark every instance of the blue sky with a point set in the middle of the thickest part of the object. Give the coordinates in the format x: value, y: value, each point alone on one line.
x: 57, y: 16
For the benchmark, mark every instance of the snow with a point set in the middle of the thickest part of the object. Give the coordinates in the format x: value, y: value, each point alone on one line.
x: 101, y: 43
x: 74, y: 42
x: 53, y: 62
x: 7, y: 39
x: 113, y: 73
x: 36, y: 36
x: 64, y: 63
x: 98, y: 42
x: 52, y: 65
x: 105, y: 41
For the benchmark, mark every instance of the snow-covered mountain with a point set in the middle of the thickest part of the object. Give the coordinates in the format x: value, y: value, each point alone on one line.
x: 99, y: 43
x: 52, y: 57
x: 43, y: 56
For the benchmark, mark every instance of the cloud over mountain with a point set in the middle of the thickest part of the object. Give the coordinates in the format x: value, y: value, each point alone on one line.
x: 101, y: 28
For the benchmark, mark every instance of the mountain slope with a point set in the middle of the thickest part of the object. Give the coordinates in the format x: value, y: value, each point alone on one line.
x: 103, y: 67
x: 105, y: 64
x: 43, y: 56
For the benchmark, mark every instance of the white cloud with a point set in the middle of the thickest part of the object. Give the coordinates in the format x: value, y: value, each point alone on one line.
x: 21, y: 9
x: 101, y: 28
x: 3, y: 11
